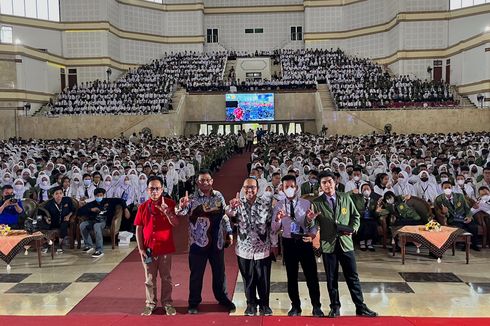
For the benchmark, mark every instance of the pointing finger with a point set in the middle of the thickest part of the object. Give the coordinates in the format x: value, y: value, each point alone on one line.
x: 187, y: 194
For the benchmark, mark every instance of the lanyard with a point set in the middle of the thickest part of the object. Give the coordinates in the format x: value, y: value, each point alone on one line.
x: 286, y: 204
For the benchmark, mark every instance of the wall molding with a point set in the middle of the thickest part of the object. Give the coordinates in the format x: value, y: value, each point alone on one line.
x: 395, y: 21
x: 482, y: 86
x: 455, y: 49
x: 51, y: 58
x: 70, y: 27
x: 21, y: 95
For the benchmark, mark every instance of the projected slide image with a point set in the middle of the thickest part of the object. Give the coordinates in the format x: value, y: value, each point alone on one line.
x: 250, y: 107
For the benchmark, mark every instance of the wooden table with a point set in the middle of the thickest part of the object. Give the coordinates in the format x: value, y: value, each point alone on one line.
x: 25, y: 240
x: 460, y: 236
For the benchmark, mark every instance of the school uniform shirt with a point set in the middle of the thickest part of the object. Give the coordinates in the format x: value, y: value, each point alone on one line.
x: 157, y: 230
x: 300, y: 207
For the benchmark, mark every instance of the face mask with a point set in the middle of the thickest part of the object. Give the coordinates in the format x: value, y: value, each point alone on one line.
x: 107, y: 183
x: 366, y: 193
x: 142, y: 181
x: 6, y: 180
x: 155, y: 170
x: 139, y: 169
x: 44, y: 183
x: 76, y: 182
x: 99, y: 199
x: 116, y: 177
x: 18, y: 187
x: 290, y: 192
x: 425, y: 179
x: 474, y: 171
x: 460, y: 182
x: 390, y: 200
x: 126, y: 182
x: 87, y: 182
x: 356, y: 178
x: 444, y: 179
x: 485, y: 198
x: 448, y: 192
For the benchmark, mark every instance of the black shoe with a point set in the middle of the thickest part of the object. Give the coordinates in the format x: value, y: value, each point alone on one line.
x: 265, y: 311
x: 317, y: 312
x: 363, y: 248
x: 295, y: 311
x: 333, y: 313
x: 366, y: 312
x: 229, y: 305
x: 97, y: 254
x: 251, y: 310
x: 371, y: 248
x: 192, y: 310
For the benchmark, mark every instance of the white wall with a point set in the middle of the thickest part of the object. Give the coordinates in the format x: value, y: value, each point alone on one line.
x: 277, y: 29
x: 38, y: 38
x: 39, y: 76
x: 246, y: 65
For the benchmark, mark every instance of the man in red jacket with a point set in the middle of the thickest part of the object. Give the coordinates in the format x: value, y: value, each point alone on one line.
x: 154, y: 223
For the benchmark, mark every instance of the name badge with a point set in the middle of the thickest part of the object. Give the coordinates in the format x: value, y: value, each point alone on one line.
x: 295, y: 228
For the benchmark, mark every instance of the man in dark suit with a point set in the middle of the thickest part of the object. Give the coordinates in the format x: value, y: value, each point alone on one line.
x: 336, y: 215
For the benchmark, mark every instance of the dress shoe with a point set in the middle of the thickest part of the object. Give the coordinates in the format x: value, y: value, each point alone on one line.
x: 317, y: 312
x: 366, y: 312
x: 265, y: 311
x: 229, y: 305
x: 333, y: 313
x: 251, y: 310
x: 192, y: 310
x: 295, y: 311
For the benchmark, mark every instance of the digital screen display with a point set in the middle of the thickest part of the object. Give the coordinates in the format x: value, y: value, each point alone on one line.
x: 250, y: 107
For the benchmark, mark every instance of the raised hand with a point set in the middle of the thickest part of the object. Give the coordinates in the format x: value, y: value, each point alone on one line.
x: 235, y: 202
x: 311, y: 214
x: 280, y: 215
x: 184, y: 201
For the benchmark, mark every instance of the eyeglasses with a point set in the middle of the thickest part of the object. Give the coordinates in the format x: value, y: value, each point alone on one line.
x: 250, y: 187
x: 205, y: 180
x: 152, y: 189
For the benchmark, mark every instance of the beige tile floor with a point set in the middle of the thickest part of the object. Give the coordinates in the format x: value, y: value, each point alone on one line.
x: 67, y: 267
x: 431, y: 299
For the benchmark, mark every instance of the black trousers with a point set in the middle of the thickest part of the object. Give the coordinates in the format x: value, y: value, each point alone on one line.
x: 128, y: 224
x: 471, y: 227
x: 368, y: 230
x: 256, y: 275
x: 348, y: 262
x: 296, y: 252
x: 197, y: 265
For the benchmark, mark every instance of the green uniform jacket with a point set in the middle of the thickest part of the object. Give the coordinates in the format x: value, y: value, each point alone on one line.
x: 345, y: 213
x: 359, y: 202
x: 306, y: 188
x: 460, y: 207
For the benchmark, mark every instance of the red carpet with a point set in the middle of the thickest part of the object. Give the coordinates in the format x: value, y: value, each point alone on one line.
x: 122, y: 291
x: 222, y: 319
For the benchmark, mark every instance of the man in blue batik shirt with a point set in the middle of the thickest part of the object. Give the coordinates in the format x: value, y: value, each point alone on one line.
x: 207, y: 226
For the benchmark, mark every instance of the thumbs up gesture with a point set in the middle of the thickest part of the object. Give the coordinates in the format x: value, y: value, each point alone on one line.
x: 311, y: 214
x: 235, y: 202
x: 184, y: 201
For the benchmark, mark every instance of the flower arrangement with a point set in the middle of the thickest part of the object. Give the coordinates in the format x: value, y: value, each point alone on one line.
x: 4, y: 229
x: 433, y: 226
